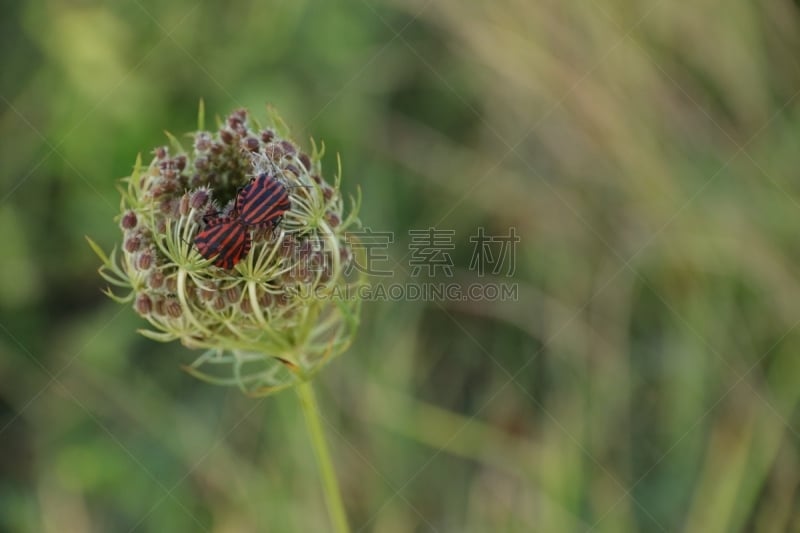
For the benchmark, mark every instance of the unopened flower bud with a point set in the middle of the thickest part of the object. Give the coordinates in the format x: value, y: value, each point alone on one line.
x: 232, y: 294
x: 267, y: 136
x: 145, y: 260
x: 237, y: 118
x: 143, y: 304
x: 173, y: 308
x: 158, y: 306
x: 199, y: 198
x: 128, y: 220
x: 184, y: 205
x: 265, y: 300
x: 274, y: 151
x: 288, y: 248
x: 196, y: 181
x: 332, y: 219
x: 169, y: 207
x: 156, y: 279
x: 132, y: 243
x: 171, y: 283
x: 345, y: 256
x: 305, y: 160
x: 202, y: 142
x: 206, y: 295
x: 305, y: 249
x: 226, y: 136
x: 288, y: 147
x: 251, y: 144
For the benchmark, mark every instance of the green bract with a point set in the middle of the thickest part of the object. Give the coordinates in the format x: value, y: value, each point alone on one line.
x: 277, y: 316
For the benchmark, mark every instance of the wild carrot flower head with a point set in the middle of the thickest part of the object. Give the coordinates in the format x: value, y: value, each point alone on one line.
x: 277, y: 316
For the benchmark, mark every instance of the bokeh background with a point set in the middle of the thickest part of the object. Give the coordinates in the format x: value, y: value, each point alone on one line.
x: 646, y: 379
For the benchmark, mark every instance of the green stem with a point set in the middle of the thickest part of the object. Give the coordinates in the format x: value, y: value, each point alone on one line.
x: 330, y: 486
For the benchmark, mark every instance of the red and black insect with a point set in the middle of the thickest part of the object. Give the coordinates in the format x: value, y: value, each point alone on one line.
x: 225, y: 238
x: 263, y: 201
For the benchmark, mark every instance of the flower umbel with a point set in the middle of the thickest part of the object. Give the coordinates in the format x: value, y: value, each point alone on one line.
x: 273, y: 319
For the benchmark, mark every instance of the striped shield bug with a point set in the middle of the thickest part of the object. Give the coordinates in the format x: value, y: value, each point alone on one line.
x: 263, y: 201
x: 224, y: 239
x: 260, y: 203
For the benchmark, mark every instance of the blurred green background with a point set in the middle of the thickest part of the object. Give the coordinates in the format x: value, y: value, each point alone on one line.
x: 647, y: 378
